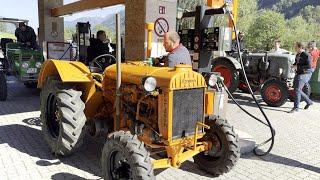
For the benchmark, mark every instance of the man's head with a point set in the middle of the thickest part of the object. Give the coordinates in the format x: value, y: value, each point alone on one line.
x: 299, y: 47
x: 22, y: 26
x: 171, y: 41
x: 102, y: 35
x: 312, y: 45
x: 277, y: 44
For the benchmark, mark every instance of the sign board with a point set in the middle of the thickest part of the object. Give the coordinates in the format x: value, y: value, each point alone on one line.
x: 164, y: 14
x: 161, y: 26
x: 59, y: 50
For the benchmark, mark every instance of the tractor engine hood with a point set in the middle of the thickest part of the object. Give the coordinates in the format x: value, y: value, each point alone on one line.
x: 179, y: 77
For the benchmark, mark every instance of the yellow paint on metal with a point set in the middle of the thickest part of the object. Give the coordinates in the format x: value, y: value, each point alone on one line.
x: 209, y: 102
x: 161, y: 163
x: 195, y: 139
x: 150, y: 28
x: 180, y: 156
x: 180, y: 77
x: 69, y: 71
x: 215, y: 3
x: 78, y: 74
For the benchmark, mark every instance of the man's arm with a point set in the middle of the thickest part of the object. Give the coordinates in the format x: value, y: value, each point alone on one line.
x: 33, y: 36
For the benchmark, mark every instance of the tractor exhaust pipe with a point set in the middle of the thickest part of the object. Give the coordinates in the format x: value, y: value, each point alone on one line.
x: 118, y: 64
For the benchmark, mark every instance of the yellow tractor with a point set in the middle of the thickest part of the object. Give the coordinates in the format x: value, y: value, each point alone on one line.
x: 168, y: 115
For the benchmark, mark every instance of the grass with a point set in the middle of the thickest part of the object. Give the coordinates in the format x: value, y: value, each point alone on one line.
x: 7, y: 35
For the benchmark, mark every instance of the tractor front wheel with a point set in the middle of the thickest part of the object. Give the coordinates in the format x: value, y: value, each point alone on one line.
x: 125, y: 157
x: 3, y: 87
x: 274, y: 92
x: 62, y: 116
x: 228, y: 72
x: 224, y: 151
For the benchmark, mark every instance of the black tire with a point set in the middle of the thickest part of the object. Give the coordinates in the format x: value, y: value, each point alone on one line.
x: 3, y: 87
x: 133, y: 156
x: 274, y: 92
x: 31, y: 85
x: 62, y: 117
x: 306, y: 89
x: 226, y: 67
x: 225, y: 148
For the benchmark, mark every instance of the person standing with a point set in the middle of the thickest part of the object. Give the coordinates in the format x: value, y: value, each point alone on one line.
x: 315, y: 54
x: 178, y: 54
x: 278, y: 49
x: 302, y: 66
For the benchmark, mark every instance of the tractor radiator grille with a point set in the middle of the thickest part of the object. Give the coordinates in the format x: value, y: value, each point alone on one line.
x: 187, y: 110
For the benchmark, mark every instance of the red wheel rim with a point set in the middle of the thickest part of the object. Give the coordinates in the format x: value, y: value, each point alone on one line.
x: 225, y: 73
x: 273, y: 93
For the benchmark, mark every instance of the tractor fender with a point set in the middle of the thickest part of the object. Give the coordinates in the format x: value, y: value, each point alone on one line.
x: 232, y: 60
x: 68, y: 71
x: 75, y: 73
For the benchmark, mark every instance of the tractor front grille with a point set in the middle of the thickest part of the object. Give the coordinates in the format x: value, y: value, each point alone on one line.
x: 188, y: 109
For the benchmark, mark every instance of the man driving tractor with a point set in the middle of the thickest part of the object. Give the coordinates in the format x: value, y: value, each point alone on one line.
x: 98, y: 46
x: 25, y: 34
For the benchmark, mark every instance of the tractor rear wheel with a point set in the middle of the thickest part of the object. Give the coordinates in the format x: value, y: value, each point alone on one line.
x: 125, y: 157
x: 306, y: 89
x: 225, y: 150
x: 3, y: 87
x: 228, y: 72
x: 62, y: 116
x: 274, y: 92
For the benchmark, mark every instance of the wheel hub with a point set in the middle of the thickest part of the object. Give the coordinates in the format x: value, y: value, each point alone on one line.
x: 216, y: 146
x: 273, y: 93
x: 120, y: 169
x: 53, y: 116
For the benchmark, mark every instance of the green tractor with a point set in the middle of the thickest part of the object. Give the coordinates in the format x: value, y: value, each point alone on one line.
x: 18, y: 60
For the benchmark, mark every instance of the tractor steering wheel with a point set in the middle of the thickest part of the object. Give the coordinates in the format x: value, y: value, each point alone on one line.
x: 103, y: 61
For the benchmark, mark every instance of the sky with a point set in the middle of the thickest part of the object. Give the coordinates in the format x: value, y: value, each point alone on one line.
x: 28, y: 9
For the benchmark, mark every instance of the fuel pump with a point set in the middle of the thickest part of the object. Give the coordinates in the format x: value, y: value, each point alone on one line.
x: 83, y: 40
x: 204, y: 40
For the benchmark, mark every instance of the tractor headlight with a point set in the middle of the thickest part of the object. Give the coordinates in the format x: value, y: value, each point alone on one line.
x: 25, y: 65
x: 149, y: 84
x: 38, y: 64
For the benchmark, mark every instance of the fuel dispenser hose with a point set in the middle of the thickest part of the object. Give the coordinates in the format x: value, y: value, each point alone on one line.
x: 271, y: 139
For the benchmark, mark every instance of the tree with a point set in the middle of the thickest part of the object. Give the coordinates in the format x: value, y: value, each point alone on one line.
x: 3, y: 27
x: 311, y: 14
x: 68, y: 32
x: 267, y: 27
x: 248, y: 10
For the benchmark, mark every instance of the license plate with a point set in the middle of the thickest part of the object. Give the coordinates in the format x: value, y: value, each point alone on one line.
x: 32, y: 70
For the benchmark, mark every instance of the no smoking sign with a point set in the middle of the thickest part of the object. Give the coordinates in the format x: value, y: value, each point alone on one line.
x: 161, y: 26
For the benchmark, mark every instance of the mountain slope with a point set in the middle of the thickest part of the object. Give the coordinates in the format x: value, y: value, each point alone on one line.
x: 289, y: 8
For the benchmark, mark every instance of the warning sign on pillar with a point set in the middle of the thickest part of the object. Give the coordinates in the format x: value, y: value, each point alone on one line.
x: 161, y: 26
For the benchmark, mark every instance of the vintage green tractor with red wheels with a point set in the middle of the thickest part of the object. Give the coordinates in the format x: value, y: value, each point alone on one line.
x: 271, y: 73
